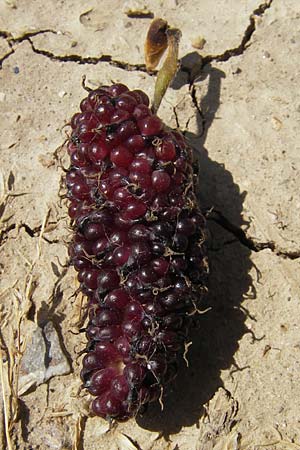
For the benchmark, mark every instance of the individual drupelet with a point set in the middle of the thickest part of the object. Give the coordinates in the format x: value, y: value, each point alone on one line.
x: 138, y: 247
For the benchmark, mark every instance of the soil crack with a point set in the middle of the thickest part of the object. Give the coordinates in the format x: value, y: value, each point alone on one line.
x: 5, y: 232
x: 34, y: 232
x: 247, y: 241
x: 11, y: 41
x: 27, y: 35
x: 7, y: 55
x: 65, y: 58
x: 239, y: 50
x: 201, y: 117
x: 89, y: 59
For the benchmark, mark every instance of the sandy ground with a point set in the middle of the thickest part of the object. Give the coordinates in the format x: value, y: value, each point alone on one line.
x: 239, y: 105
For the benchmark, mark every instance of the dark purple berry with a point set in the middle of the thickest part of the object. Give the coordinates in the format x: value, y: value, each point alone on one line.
x: 137, y: 247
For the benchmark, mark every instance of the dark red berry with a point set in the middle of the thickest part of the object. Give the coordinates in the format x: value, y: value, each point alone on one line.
x: 161, y: 180
x: 107, y: 353
x: 134, y: 373
x: 150, y: 126
x: 121, y: 156
x: 141, y: 165
x: 139, y: 233
x: 127, y: 102
x: 92, y: 361
x: 97, y: 152
x: 117, y: 89
x: 134, y: 210
x: 166, y: 151
x: 119, y: 388
x: 93, y: 231
x: 117, y: 298
x: 124, y: 348
x: 91, y: 278
x: 141, y: 252
x: 160, y: 266
x: 108, y: 279
x: 135, y: 143
x: 106, y: 406
x: 158, y: 366
x: 101, y: 380
x: 141, y: 111
x: 121, y: 255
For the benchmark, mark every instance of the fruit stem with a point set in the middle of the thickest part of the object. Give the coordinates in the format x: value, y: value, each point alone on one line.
x: 169, y: 68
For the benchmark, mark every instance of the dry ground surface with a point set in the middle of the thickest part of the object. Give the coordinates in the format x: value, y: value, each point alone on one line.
x: 237, y: 99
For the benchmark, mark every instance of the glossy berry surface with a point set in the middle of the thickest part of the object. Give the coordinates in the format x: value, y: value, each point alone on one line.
x: 137, y: 247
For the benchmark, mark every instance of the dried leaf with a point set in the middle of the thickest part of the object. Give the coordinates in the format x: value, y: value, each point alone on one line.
x: 55, y: 269
x: 10, y: 181
x: 156, y: 43
x: 125, y: 442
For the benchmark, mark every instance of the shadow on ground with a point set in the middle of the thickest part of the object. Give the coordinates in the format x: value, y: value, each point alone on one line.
x: 216, y: 337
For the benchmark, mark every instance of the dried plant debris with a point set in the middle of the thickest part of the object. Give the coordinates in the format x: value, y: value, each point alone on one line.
x: 219, y: 421
x: 139, y: 13
x: 156, y: 43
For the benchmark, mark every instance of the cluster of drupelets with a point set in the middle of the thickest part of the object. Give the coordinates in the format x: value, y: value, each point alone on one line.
x: 137, y: 247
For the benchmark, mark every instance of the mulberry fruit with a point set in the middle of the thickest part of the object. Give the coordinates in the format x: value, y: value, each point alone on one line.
x: 137, y: 247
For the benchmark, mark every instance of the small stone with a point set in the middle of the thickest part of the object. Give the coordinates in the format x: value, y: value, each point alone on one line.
x: 43, y: 358
x: 61, y: 94
x: 2, y: 96
x: 198, y: 42
x: 276, y: 123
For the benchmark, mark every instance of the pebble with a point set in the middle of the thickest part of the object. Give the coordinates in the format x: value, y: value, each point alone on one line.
x: 276, y: 123
x: 43, y: 357
x: 198, y: 42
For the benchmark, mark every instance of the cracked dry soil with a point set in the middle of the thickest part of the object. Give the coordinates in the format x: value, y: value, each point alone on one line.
x: 237, y: 100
